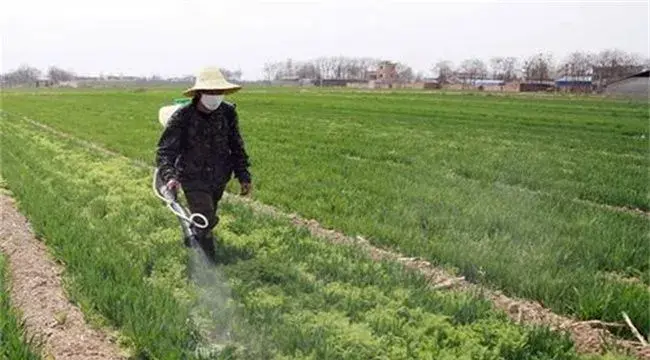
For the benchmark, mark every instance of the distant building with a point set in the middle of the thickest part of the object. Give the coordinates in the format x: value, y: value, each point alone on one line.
x: 307, y: 82
x: 43, y: 81
x: 431, y: 84
x: 511, y: 86
x: 603, y: 75
x: 68, y: 84
x: 286, y: 81
x: 384, y: 76
x: 635, y: 86
x: 534, y: 86
x: 427, y: 84
x: 387, y: 72
x: 574, y: 84
x: 488, y: 84
x: 333, y: 82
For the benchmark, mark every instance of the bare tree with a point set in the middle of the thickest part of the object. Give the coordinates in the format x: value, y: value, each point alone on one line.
x: 509, y: 68
x: 503, y: 68
x: 269, y: 71
x: 539, y: 67
x: 578, y: 64
x: 231, y: 75
x: 613, y: 64
x: 497, y: 67
x: 615, y: 57
x: 366, y: 65
x: 335, y: 67
x: 321, y: 67
x: 339, y: 65
x: 288, y: 69
x: 58, y: 75
x: 331, y: 65
x: 353, y: 68
x: 404, y: 73
x: 272, y: 70
x: 443, y: 71
x: 473, y: 69
x: 307, y: 70
x: 25, y: 74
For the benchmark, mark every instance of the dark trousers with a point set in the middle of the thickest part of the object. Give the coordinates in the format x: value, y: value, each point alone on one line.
x: 205, y: 201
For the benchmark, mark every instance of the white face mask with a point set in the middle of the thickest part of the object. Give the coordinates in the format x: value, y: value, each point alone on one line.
x: 211, y: 102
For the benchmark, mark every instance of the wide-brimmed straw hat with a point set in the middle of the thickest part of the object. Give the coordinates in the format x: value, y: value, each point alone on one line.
x: 211, y: 78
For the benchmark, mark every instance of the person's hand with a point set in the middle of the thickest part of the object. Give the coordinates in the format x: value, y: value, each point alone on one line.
x: 173, y: 185
x: 246, y: 188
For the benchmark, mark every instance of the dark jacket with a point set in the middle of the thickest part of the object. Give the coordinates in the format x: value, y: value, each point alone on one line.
x: 202, y: 150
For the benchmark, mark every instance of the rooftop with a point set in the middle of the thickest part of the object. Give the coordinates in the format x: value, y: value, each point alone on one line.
x: 574, y: 79
x: 642, y: 74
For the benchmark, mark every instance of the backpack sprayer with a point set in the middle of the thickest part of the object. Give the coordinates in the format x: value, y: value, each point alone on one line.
x: 169, y: 197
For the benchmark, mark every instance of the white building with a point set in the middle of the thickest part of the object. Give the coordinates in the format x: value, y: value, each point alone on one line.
x: 636, y: 86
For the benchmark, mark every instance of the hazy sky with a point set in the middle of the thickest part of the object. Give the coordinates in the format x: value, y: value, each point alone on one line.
x: 142, y: 37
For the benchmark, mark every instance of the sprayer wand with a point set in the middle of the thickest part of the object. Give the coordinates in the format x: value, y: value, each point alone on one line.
x: 169, y: 198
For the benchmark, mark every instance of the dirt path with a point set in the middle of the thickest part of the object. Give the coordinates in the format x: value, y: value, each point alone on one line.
x: 37, y: 292
x: 589, y: 336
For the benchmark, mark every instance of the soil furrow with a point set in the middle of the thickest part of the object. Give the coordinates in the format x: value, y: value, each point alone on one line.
x: 37, y: 292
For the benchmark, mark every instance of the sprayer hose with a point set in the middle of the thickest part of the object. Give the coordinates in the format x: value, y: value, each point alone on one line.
x: 169, y: 204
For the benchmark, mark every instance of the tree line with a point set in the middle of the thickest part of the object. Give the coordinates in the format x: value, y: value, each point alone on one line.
x: 605, y: 65
x: 333, y: 67
x: 26, y: 74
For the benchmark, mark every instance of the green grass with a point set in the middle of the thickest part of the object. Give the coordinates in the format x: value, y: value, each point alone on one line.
x: 14, y: 342
x: 485, y: 184
x: 291, y: 296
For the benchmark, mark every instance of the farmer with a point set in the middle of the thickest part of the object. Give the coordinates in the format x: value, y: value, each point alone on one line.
x: 201, y: 148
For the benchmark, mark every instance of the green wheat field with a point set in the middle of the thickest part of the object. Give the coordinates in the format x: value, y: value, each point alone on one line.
x: 541, y: 197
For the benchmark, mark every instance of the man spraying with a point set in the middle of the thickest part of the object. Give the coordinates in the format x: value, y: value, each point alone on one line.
x: 201, y: 148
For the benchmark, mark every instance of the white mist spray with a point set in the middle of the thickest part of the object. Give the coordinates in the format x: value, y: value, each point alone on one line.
x: 214, y: 310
